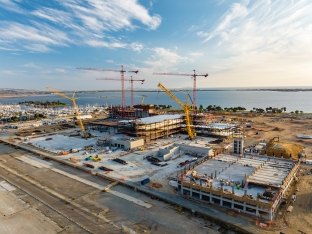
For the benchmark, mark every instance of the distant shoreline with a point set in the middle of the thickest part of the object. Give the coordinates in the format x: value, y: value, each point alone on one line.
x: 7, y: 94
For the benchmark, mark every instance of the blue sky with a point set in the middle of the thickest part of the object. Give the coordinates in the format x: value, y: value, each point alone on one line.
x: 239, y: 43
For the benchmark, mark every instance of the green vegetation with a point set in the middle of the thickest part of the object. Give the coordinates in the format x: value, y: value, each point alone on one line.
x: 22, y: 117
x: 296, y: 112
x: 162, y: 107
x: 226, y: 109
x: 43, y: 104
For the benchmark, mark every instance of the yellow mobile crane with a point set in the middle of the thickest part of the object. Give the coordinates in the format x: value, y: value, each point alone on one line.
x: 73, y: 100
x: 190, y: 130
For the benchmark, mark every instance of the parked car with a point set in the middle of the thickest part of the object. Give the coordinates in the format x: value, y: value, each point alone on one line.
x: 118, y: 160
x: 88, y: 165
x: 105, y: 168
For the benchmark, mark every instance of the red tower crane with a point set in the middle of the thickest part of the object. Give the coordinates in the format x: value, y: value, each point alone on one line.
x: 131, y: 81
x: 194, y: 76
x: 122, y: 78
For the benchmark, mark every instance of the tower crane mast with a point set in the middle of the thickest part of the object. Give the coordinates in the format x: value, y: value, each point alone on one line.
x: 189, y: 128
x: 194, y: 76
x: 131, y: 81
x: 122, y: 78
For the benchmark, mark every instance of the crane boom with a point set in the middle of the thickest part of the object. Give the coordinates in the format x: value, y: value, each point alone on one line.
x: 122, y: 78
x: 185, y: 107
x: 142, y: 80
x: 59, y: 93
x: 77, y: 113
x: 171, y: 95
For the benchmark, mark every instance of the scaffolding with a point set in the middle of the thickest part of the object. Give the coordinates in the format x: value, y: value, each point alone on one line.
x: 156, y: 127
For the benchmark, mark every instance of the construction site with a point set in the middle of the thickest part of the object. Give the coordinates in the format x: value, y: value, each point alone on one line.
x: 178, y: 156
x: 248, y: 184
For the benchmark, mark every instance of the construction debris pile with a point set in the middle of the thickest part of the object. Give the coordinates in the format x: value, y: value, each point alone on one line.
x: 282, y: 149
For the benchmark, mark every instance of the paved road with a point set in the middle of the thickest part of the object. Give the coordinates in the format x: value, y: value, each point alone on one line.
x: 83, y: 204
x: 86, y: 221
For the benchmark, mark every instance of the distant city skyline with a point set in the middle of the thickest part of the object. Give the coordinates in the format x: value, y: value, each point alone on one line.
x: 238, y: 43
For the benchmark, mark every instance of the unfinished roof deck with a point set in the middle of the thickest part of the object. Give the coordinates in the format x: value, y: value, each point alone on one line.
x: 158, y: 118
x: 230, y: 173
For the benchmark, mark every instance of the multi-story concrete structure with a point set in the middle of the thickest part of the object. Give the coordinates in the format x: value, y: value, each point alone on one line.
x: 238, y: 145
x: 152, y: 128
x: 255, y: 185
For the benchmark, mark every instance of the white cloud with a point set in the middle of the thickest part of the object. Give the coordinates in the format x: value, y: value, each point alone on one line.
x: 135, y: 46
x: 164, y: 59
x: 99, y: 15
x: 11, y: 5
x: 38, y: 37
x: 89, y: 22
x: 264, y: 42
x: 53, y: 15
x: 99, y: 43
x: 31, y: 65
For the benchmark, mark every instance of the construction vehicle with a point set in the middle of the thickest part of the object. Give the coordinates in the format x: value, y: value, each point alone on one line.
x: 89, y: 158
x: 189, y: 127
x: 78, y: 117
x: 96, y: 158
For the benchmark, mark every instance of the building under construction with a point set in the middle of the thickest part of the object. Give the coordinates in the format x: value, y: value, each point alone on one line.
x: 152, y: 128
x: 255, y: 185
x: 137, y: 111
x: 157, y: 126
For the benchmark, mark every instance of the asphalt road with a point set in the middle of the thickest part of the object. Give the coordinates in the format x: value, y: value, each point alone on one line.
x: 86, y: 209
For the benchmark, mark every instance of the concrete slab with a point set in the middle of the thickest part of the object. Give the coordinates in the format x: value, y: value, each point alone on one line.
x: 61, y: 142
x: 102, y: 188
x: 261, y: 172
x: 10, y: 204
x: 6, y: 186
x: 28, y: 221
x: 33, y: 162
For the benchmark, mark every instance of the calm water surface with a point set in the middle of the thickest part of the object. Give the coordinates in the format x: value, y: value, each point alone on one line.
x: 299, y: 100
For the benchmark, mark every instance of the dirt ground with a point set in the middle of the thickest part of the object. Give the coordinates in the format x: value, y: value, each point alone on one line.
x: 299, y: 220
x: 284, y: 126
